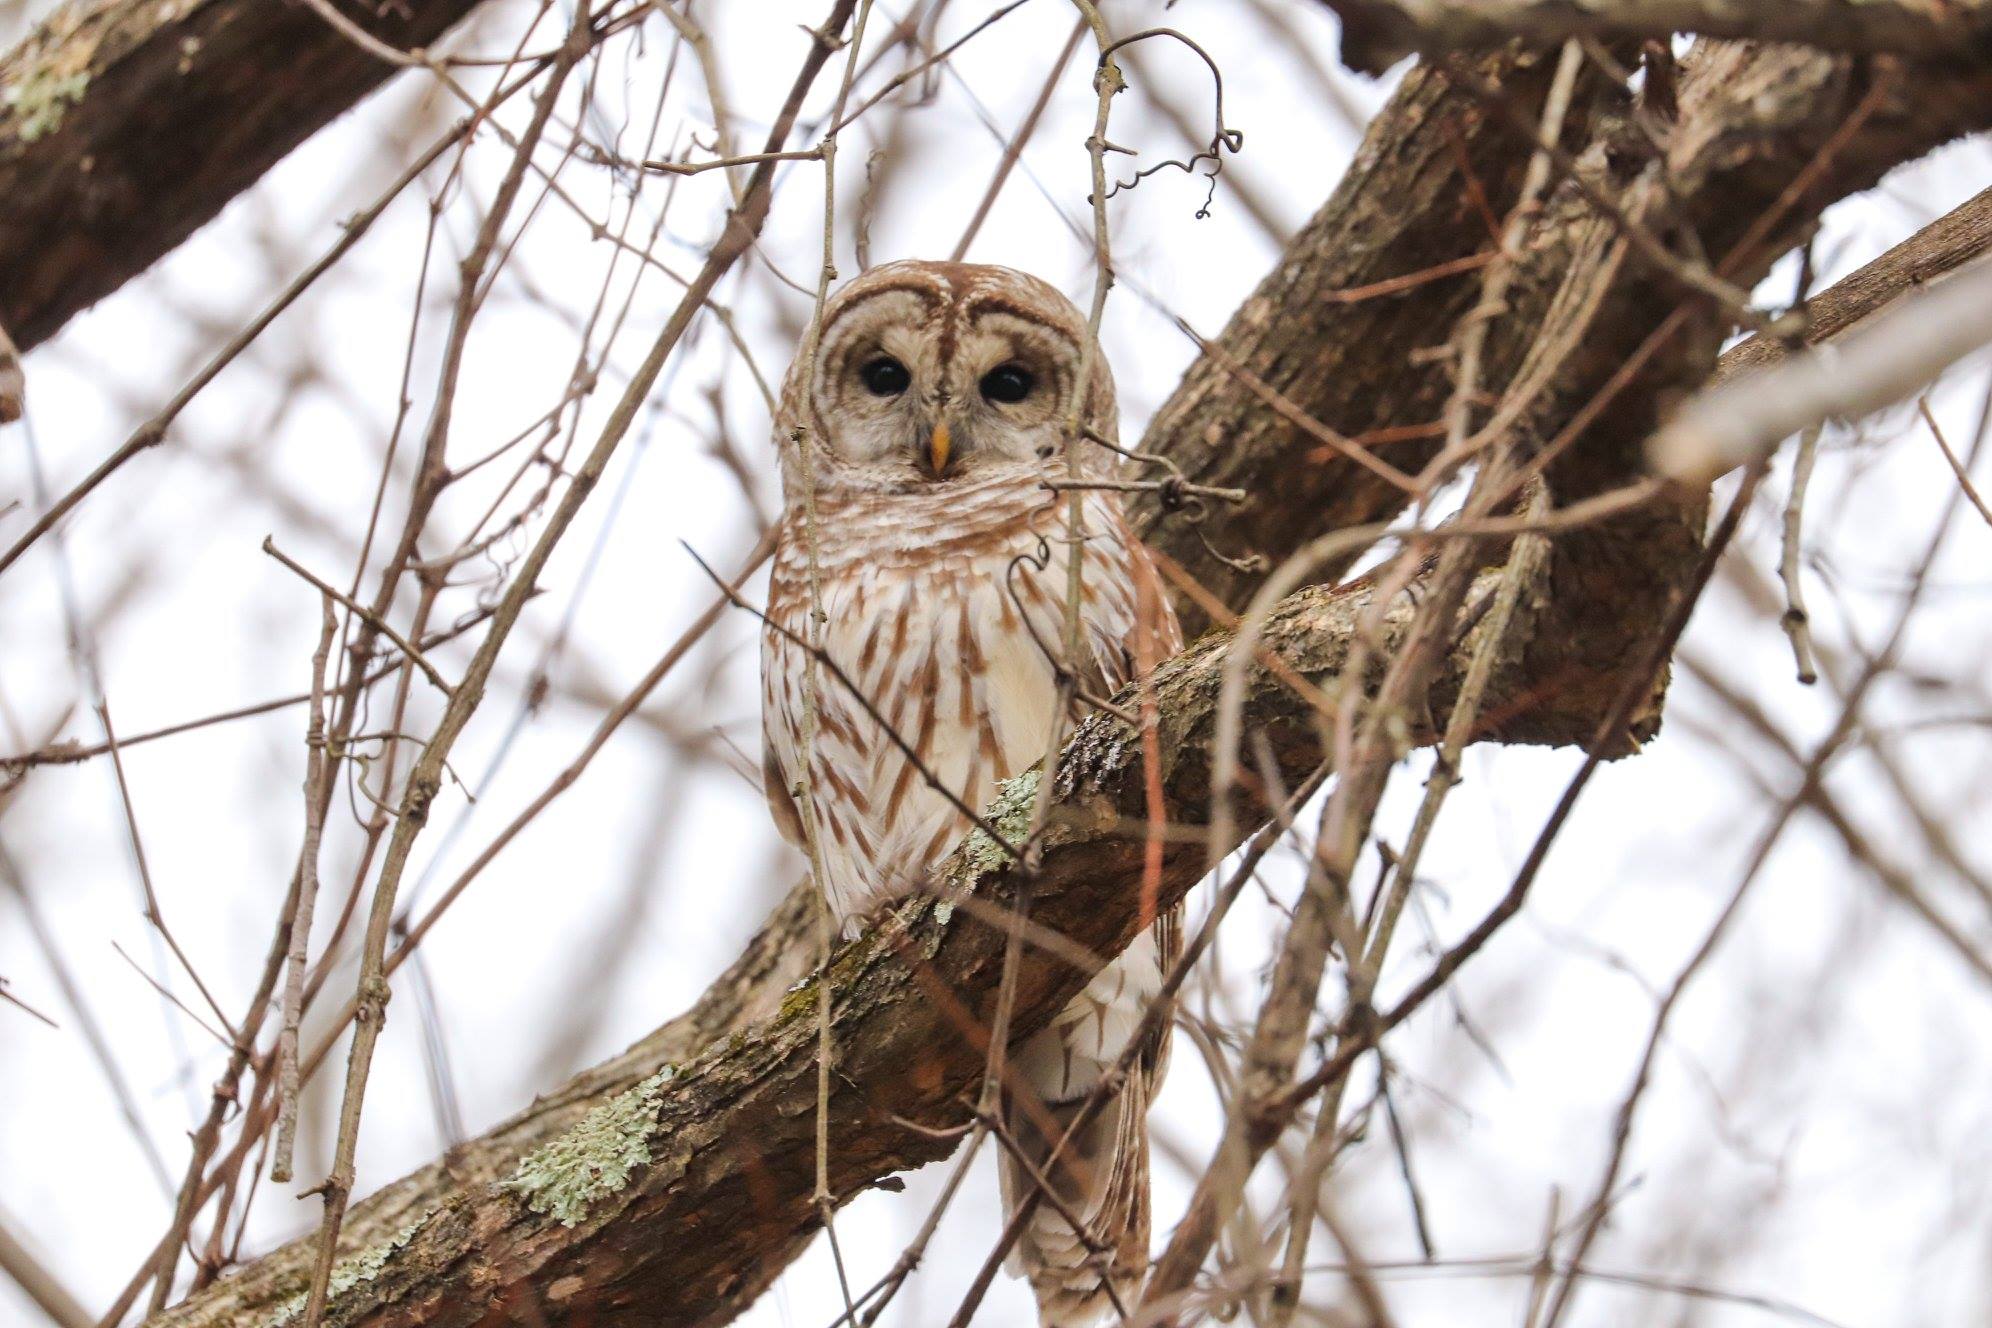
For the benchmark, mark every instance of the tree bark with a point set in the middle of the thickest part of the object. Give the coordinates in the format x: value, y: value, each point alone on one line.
x: 686, y: 1184
x: 1378, y: 33
x: 125, y: 125
x: 1417, y: 205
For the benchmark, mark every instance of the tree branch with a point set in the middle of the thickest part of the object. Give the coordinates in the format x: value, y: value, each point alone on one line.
x: 125, y: 125
x: 40, y: 1285
x: 1408, y: 208
x: 1378, y: 33
x: 1940, y: 248
x: 1742, y: 421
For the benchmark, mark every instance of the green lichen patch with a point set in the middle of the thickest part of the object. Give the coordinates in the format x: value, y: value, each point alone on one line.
x: 41, y: 99
x: 348, y: 1273
x: 1010, y: 815
x: 594, y: 1159
x: 798, y: 999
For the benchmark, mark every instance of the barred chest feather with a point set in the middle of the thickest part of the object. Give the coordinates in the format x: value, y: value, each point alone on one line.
x: 936, y: 612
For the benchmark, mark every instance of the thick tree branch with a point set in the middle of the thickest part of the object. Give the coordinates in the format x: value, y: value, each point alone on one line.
x: 688, y: 1183
x: 125, y: 125
x: 1946, y: 244
x: 1383, y: 269
x: 1742, y: 422
x: 1378, y: 33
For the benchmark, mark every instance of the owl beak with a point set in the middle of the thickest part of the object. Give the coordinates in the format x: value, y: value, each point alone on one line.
x: 938, y: 448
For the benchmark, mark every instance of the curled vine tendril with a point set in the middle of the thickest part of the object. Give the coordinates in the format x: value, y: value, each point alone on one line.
x: 1222, y: 140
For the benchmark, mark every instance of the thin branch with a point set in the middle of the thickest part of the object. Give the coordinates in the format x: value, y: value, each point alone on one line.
x: 729, y: 163
x: 372, y: 619
x: 153, y: 913
x: 1950, y: 458
x: 71, y: 752
x: 424, y: 779
x: 39, y: 1284
x: 153, y: 431
x: 1795, y: 621
x: 1811, y: 777
x: 318, y: 775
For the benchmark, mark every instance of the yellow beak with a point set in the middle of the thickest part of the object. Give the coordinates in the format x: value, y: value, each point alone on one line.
x: 937, y: 448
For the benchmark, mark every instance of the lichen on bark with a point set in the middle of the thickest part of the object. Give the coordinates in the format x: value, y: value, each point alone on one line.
x: 1010, y: 816
x: 595, y: 1159
x: 357, y: 1270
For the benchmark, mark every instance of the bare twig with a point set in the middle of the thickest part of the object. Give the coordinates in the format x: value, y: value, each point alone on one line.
x: 1879, y: 664
x: 373, y: 620
x: 730, y: 163
x: 1950, y: 459
x: 1015, y: 147
x: 39, y: 1284
x: 318, y: 774
x: 425, y: 778
x: 70, y: 752
x: 153, y: 431
x: 153, y: 913
x: 1797, y: 623
x: 93, y: 1033
x: 21, y: 1005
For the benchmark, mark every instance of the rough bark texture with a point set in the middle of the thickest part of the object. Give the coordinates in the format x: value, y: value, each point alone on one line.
x: 1408, y: 204
x: 127, y: 124
x: 1378, y: 33
x: 687, y: 1181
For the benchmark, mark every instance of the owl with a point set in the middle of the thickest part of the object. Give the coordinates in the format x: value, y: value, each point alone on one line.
x: 931, y: 417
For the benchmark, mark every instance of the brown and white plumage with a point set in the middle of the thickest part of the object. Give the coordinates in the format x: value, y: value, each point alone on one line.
x: 941, y: 563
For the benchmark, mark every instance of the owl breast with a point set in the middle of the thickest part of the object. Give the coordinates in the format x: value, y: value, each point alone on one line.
x: 941, y: 619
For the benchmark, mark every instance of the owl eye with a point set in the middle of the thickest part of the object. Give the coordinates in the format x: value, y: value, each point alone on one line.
x: 1007, y: 383
x: 885, y: 377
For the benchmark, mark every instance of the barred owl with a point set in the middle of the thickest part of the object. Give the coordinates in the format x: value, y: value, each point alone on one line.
x: 933, y: 414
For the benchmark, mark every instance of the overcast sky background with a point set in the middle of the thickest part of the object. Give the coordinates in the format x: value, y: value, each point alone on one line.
x: 1820, y: 1127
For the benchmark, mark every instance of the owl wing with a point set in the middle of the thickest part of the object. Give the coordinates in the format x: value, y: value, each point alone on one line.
x: 836, y: 789
x: 781, y: 803
x: 1134, y: 620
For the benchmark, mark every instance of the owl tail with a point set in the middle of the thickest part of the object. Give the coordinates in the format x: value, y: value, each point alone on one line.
x: 1100, y: 1177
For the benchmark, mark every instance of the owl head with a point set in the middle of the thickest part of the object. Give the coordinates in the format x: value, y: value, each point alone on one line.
x: 940, y: 373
